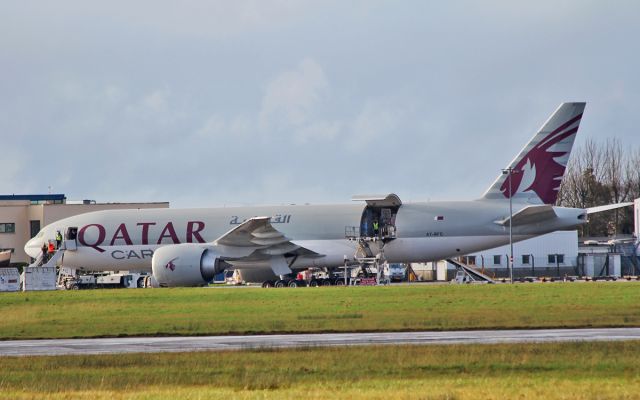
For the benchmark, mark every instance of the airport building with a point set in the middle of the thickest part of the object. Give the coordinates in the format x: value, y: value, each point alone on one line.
x: 636, y: 216
x: 553, y: 254
x: 22, y: 217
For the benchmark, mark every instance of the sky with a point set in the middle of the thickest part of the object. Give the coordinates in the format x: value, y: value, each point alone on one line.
x: 227, y: 103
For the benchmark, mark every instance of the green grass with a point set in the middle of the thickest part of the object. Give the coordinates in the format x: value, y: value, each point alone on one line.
x: 201, y: 311
x: 550, y: 371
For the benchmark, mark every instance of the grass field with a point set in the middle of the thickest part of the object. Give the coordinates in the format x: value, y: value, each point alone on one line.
x: 201, y: 311
x: 550, y: 371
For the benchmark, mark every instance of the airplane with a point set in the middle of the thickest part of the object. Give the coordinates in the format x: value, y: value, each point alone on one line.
x: 187, y: 247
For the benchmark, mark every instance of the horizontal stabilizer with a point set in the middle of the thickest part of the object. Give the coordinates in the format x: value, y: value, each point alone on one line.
x: 530, y: 215
x: 593, y: 210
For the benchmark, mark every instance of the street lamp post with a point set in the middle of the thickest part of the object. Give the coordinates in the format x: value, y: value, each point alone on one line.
x: 510, y: 172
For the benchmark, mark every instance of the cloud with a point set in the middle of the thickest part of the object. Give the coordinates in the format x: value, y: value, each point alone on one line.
x: 319, y: 131
x: 152, y: 104
x: 378, y: 119
x: 13, y: 165
x: 293, y: 97
x: 209, y: 102
x: 297, y: 103
x: 217, y: 126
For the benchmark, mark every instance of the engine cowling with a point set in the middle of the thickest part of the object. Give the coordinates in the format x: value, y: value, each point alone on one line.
x: 186, y: 264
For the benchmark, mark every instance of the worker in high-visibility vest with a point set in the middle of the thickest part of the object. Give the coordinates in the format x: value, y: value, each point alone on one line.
x: 58, y: 239
x: 376, y: 227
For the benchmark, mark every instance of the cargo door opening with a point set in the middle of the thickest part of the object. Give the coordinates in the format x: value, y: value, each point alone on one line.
x: 70, y: 238
x: 379, y: 216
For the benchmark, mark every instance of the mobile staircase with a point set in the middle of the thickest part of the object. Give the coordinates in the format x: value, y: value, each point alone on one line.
x: 469, y: 274
x: 58, y: 255
x: 51, y: 262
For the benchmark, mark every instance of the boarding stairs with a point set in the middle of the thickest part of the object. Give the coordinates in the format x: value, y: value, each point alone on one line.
x: 472, y: 274
x: 66, y: 245
x: 51, y: 262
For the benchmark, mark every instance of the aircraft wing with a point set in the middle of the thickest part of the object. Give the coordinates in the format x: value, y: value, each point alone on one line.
x: 257, y: 240
x: 529, y: 215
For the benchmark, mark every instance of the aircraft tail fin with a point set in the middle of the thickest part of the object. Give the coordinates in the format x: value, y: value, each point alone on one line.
x: 539, y: 167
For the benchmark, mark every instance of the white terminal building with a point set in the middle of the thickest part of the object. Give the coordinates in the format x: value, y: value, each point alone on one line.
x: 553, y: 254
x: 556, y: 254
x: 22, y: 217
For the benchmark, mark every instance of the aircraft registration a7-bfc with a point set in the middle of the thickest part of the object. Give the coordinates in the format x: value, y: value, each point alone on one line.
x: 187, y: 247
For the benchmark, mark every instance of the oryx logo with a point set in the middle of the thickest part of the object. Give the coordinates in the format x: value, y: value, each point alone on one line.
x: 170, y: 265
x: 541, y: 169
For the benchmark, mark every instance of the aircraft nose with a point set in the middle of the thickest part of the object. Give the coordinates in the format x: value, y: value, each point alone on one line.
x: 32, y: 248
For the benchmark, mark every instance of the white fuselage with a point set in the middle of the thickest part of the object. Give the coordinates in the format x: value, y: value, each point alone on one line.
x: 127, y: 239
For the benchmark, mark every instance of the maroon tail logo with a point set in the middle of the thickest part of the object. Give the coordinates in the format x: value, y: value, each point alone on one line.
x: 539, y: 171
x: 170, y: 265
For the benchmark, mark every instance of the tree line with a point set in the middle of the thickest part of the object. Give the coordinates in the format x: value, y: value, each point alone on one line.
x: 600, y: 173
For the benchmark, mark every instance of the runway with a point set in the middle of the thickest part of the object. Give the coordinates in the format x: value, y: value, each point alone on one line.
x: 218, y: 343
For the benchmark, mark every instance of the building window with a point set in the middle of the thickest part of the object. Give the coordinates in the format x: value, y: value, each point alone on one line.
x: 34, y: 227
x: 7, y: 227
x: 526, y: 259
x: 556, y: 258
x: 497, y: 260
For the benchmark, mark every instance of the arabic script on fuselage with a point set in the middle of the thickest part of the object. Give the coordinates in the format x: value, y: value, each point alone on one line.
x: 276, y: 219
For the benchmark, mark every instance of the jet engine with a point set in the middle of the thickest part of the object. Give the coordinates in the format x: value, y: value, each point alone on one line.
x: 186, y: 264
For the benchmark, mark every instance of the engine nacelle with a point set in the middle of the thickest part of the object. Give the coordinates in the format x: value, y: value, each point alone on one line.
x: 187, y: 264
